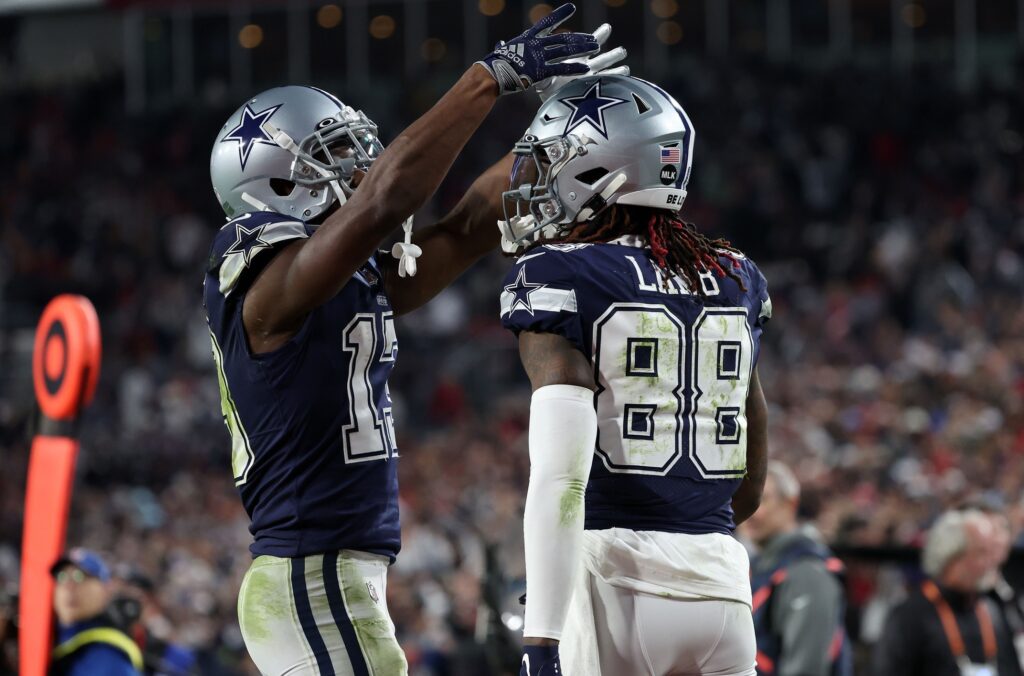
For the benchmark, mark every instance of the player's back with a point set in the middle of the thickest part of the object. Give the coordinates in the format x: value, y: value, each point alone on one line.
x: 313, y: 451
x: 672, y: 369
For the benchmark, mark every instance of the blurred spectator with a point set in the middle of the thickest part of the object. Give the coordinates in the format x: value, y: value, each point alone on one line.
x: 797, y: 592
x: 136, y: 609
x: 948, y: 627
x: 88, y: 640
x: 8, y: 635
x: 1007, y: 600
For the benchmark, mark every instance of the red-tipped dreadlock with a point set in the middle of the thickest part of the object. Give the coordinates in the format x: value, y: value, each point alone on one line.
x: 676, y: 246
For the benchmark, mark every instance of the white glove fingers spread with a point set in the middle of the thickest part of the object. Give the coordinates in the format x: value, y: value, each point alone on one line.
x: 602, y: 33
x: 594, y: 62
x: 602, y: 61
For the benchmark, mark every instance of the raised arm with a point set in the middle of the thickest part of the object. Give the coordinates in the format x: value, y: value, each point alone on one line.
x: 311, y: 271
x: 747, y: 499
x: 454, y: 243
x: 470, y: 229
x: 308, y: 273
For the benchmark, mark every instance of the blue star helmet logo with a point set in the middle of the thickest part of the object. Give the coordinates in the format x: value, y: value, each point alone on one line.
x: 590, y: 108
x: 520, y: 290
x: 248, y: 242
x: 250, y: 131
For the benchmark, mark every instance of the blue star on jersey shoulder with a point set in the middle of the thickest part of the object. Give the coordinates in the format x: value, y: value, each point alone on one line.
x: 590, y: 108
x: 248, y: 242
x: 250, y: 131
x: 520, y: 290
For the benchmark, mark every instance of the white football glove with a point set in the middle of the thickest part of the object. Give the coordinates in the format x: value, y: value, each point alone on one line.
x: 597, y: 64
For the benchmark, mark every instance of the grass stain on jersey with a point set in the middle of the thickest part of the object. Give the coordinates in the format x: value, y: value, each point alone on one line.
x: 721, y: 392
x: 653, y: 389
x: 737, y: 461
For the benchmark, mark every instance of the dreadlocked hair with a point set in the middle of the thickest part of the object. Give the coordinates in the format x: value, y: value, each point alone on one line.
x: 676, y: 246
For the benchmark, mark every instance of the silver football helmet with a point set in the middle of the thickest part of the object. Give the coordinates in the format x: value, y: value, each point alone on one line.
x: 598, y: 141
x: 292, y: 150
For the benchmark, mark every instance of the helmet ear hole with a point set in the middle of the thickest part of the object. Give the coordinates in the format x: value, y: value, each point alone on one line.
x: 282, y: 187
x: 592, y: 176
x: 641, y: 105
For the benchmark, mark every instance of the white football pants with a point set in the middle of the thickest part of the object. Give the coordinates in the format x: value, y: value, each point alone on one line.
x: 323, y: 614
x: 614, y: 631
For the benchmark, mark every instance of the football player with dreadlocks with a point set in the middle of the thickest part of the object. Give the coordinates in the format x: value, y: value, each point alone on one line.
x: 301, y: 308
x: 640, y: 336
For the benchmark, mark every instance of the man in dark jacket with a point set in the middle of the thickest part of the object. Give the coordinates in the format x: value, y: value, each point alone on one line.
x: 947, y: 626
x: 88, y: 641
x: 798, y: 601
x: 1007, y: 599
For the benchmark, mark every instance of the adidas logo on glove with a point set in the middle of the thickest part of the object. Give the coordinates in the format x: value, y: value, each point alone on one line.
x: 512, y: 53
x: 537, y: 54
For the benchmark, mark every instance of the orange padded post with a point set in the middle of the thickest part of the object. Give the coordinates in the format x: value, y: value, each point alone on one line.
x: 65, y: 369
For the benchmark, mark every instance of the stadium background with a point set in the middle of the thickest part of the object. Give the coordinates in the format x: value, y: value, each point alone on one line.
x: 867, y: 153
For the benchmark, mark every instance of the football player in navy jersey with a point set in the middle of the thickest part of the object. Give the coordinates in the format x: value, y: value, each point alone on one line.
x: 640, y: 336
x: 301, y: 308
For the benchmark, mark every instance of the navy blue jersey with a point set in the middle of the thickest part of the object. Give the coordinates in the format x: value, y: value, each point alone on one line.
x: 672, y: 370
x: 313, y: 447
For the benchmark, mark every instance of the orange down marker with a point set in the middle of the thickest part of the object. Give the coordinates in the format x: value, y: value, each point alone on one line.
x: 65, y: 368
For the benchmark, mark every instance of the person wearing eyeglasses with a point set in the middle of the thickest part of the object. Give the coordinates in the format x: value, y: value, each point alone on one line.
x: 88, y: 641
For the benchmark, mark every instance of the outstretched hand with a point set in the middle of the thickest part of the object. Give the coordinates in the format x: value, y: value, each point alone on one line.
x: 597, y: 64
x: 538, y: 54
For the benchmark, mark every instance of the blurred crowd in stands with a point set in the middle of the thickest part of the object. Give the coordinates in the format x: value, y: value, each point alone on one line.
x: 886, y: 212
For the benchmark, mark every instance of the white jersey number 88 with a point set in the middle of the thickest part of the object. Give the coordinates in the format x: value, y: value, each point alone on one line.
x: 668, y: 389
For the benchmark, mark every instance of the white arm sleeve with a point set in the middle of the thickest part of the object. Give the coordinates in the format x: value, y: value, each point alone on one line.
x: 563, y: 431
